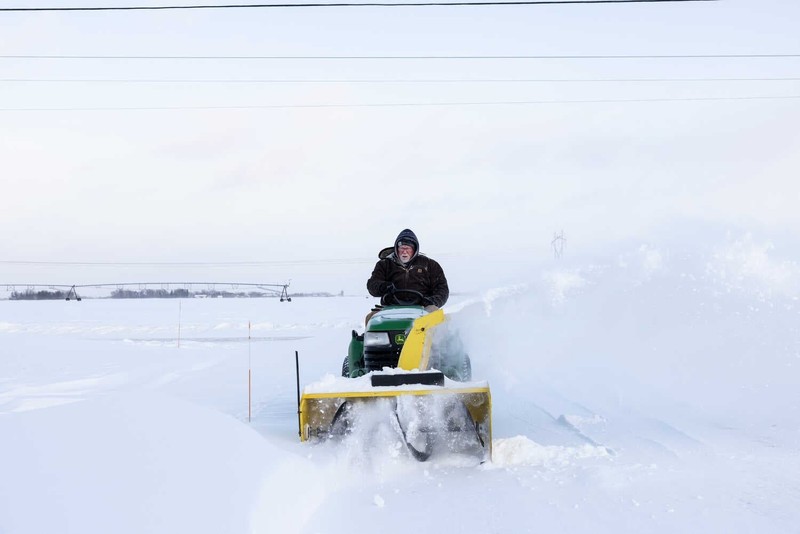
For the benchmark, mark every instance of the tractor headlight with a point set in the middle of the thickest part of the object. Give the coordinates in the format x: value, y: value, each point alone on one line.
x: 376, y: 339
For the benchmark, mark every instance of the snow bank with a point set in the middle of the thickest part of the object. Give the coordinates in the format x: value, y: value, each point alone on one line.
x: 521, y: 451
x: 652, y: 389
x: 141, y: 463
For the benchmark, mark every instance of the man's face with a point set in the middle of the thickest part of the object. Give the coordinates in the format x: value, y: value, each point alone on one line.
x: 405, y: 252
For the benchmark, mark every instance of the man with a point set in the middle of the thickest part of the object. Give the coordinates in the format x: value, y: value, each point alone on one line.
x: 405, y: 268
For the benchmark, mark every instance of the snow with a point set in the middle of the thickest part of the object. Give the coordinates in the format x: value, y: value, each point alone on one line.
x: 652, y: 388
x: 520, y: 450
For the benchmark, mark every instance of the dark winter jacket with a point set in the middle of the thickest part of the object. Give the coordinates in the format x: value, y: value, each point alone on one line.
x: 421, y: 274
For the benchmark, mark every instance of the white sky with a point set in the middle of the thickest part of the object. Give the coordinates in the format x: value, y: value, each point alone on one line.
x: 269, y: 185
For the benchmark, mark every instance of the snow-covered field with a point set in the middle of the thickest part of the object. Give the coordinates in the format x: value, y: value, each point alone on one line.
x: 654, y: 389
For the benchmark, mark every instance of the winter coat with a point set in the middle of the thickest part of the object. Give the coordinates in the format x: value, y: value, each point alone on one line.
x: 421, y: 274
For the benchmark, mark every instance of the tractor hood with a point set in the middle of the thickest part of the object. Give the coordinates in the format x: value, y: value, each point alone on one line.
x: 395, y: 318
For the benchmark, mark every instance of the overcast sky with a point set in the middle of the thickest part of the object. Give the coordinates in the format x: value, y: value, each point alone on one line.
x: 335, y: 184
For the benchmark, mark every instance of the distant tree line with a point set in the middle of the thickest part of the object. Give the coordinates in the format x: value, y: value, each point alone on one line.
x: 30, y: 294
x: 184, y: 293
x: 150, y: 294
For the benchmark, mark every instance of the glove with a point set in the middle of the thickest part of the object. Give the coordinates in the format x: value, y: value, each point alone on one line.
x: 430, y: 307
x: 387, y: 288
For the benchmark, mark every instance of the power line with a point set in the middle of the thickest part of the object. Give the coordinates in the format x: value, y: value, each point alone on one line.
x: 245, y: 263
x: 391, y: 58
x: 388, y: 81
x: 343, y: 4
x: 411, y: 104
x: 339, y: 261
x: 140, y: 284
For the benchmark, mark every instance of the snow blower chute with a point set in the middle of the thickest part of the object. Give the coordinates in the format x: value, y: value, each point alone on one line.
x: 412, y: 368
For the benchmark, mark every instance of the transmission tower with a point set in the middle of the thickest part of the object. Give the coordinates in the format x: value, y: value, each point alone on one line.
x: 558, y: 243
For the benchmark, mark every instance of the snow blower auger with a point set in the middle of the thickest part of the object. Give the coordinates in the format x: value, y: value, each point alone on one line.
x: 411, y: 369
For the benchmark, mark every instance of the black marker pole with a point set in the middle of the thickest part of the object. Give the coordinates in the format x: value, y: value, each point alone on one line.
x: 297, y: 374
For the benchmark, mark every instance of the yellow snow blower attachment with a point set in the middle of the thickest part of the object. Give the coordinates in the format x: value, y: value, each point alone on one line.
x: 412, y: 369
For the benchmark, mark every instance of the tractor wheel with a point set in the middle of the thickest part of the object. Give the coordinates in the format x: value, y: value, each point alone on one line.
x: 346, y: 367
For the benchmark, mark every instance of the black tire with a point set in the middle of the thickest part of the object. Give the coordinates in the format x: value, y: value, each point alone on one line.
x: 346, y: 367
x: 460, y: 371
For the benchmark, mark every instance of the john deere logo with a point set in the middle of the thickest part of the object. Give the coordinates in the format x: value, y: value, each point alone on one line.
x: 399, y: 339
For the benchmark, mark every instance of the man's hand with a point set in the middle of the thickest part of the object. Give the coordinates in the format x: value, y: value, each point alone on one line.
x: 387, y: 288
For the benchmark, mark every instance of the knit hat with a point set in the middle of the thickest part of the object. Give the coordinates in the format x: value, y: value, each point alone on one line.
x: 406, y: 237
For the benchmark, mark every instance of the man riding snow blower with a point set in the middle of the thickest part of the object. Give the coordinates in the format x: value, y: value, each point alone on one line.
x: 403, y: 268
x: 407, y: 360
